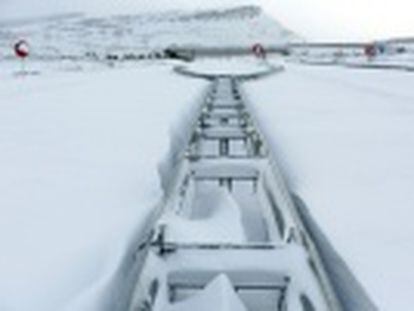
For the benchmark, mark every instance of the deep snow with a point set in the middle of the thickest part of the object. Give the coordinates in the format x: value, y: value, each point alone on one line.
x: 219, y: 294
x: 79, y: 154
x: 345, y: 138
x: 78, y: 162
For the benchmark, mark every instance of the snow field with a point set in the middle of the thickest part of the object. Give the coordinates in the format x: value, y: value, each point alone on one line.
x: 345, y: 137
x: 78, y: 160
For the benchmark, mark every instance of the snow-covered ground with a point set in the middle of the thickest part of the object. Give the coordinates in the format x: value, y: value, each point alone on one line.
x: 345, y: 138
x: 394, y: 61
x: 403, y: 61
x: 80, y: 144
x: 80, y: 149
x: 78, y: 161
x: 240, y: 66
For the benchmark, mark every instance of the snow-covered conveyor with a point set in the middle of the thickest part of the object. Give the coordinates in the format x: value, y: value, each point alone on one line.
x: 230, y: 236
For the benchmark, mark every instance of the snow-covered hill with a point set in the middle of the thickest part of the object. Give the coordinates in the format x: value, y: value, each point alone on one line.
x: 78, y: 34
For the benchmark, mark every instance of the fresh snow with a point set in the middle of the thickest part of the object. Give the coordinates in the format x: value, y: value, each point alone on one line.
x: 78, y: 160
x: 245, y: 65
x: 215, y: 218
x: 80, y: 146
x: 218, y: 295
x: 345, y: 138
x: 80, y: 150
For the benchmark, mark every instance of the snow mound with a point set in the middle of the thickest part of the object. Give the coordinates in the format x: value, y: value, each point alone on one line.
x: 215, y: 217
x: 249, y: 65
x: 219, y: 295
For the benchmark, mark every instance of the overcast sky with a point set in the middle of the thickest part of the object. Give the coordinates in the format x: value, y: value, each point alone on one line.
x: 314, y: 19
x: 346, y: 19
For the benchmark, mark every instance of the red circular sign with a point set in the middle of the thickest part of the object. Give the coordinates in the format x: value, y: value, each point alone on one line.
x: 259, y: 51
x: 21, y: 48
x: 370, y: 50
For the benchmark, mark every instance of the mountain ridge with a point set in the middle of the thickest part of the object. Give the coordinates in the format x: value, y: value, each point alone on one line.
x: 78, y: 34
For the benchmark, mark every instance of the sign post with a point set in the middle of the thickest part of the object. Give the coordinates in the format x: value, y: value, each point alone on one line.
x: 370, y: 51
x: 259, y: 51
x: 22, y: 51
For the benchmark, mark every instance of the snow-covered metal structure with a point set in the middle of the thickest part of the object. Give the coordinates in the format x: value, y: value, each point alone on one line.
x: 230, y: 236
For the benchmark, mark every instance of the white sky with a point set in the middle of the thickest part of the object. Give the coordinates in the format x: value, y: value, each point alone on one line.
x: 345, y: 19
x: 314, y: 19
